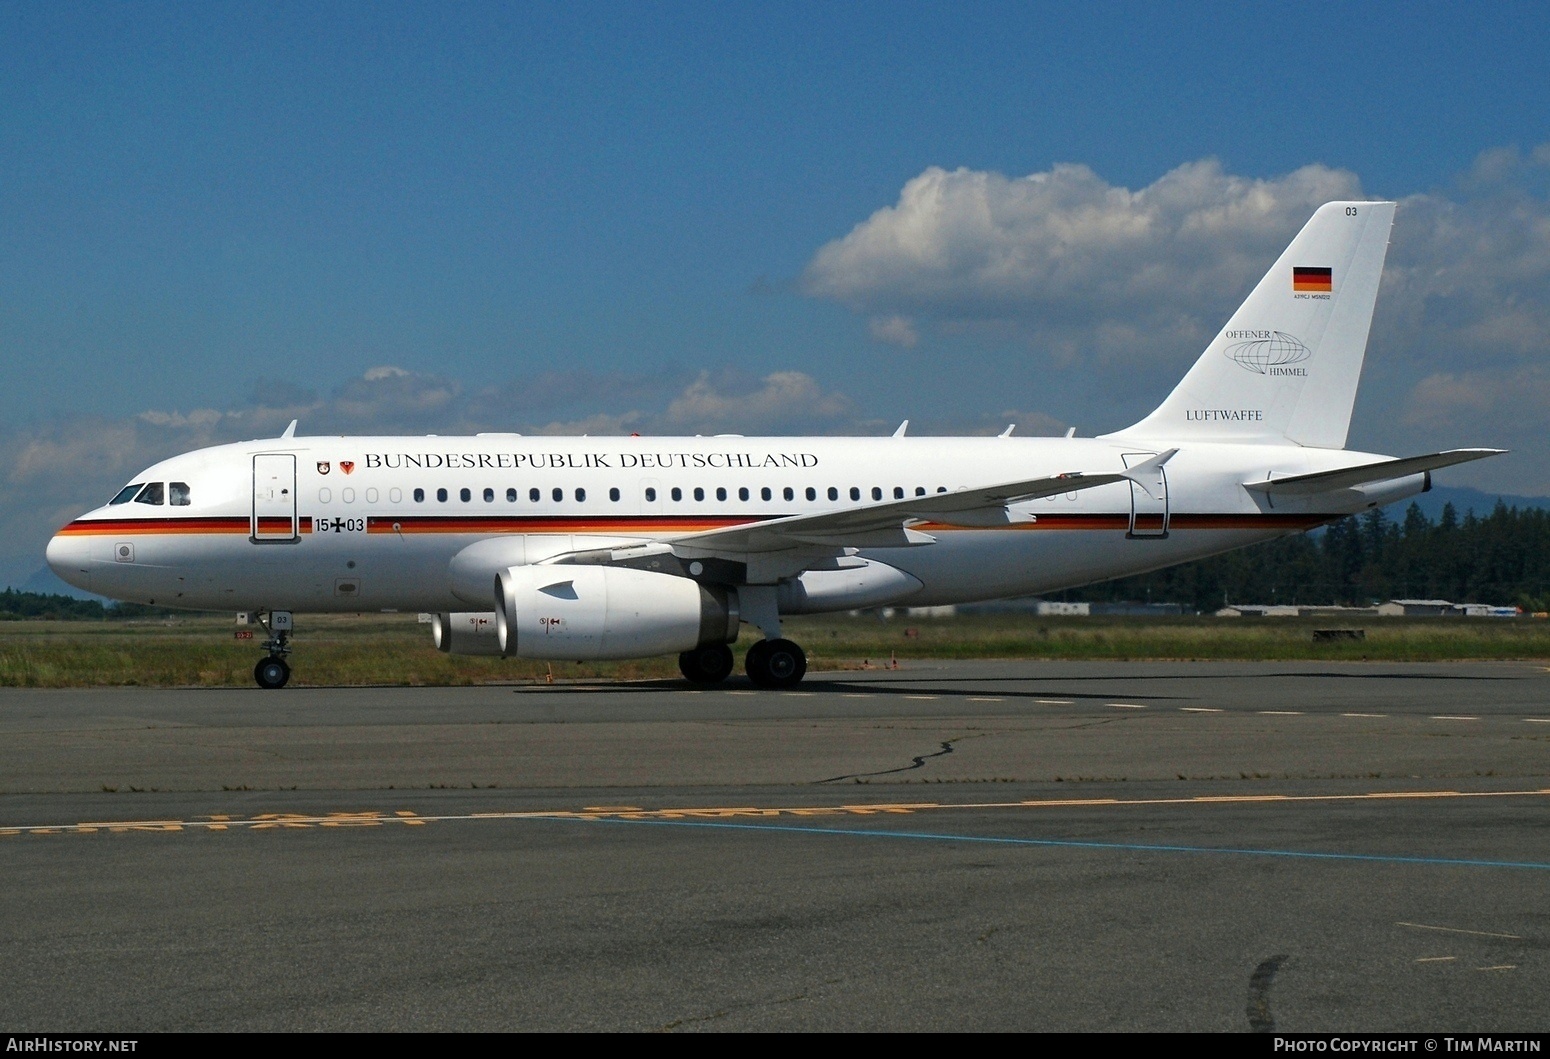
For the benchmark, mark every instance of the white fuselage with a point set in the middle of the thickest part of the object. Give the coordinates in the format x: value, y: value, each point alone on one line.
x: 374, y: 523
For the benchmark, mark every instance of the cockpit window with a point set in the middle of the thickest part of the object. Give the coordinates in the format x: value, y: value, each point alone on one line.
x: 153, y: 493
x: 126, y: 494
x: 178, y: 495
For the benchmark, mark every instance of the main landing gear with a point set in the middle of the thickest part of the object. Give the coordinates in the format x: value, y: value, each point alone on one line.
x: 773, y: 663
x: 274, y: 671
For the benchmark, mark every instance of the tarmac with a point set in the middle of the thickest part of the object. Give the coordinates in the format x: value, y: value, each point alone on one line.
x: 1222, y: 847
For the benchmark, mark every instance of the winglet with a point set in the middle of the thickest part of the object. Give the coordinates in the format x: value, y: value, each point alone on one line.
x: 1008, y: 431
x: 290, y: 431
x: 1148, y: 473
x: 902, y: 428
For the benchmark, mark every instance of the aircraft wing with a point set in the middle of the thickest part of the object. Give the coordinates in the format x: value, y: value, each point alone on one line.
x: 1383, y: 471
x: 885, y: 524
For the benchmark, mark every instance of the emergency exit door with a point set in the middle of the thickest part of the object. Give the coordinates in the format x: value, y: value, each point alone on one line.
x: 1148, y: 500
x: 274, y: 497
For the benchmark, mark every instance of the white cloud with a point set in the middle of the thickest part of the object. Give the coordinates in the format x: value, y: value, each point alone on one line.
x: 895, y: 330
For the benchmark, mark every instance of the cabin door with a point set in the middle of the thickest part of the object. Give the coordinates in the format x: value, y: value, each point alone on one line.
x: 1148, y: 502
x: 274, y: 497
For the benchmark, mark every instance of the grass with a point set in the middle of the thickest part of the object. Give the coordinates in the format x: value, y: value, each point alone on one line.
x: 343, y: 650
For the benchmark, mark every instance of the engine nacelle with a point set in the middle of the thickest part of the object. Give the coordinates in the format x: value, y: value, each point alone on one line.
x: 466, y: 633
x: 596, y: 612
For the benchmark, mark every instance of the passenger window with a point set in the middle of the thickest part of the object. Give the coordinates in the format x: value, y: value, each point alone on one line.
x: 489, y: 496
x: 511, y: 496
x: 855, y: 494
x: 920, y: 490
x: 153, y: 493
x: 325, y: 495
x: 812, y: 494
x: 371, y: 495
x: 346, y: 494
x: 742, y: 494
x: 558, y: 494
x: 941, y: 488
x: 581, y: 494
x: 788, y: 494
x: 699, y: 494
x: 613, y: 494
x: 898, y: 492
x: 721, y: 493
x: 834, y: 494
x: 126, y: 494
x: 464, y: 495
x: 178, y: 494
x: 877, y: 494
x: 764, y: 494
x: 651, y: 494
x: 441, y: 494
x: 678, y: 494
x: 532, y: 494
x: 419, y: 496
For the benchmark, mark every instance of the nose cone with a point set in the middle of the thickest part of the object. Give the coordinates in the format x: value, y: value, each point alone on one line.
x: 68, y: 558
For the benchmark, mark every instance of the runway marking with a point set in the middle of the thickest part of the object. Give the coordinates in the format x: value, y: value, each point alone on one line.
x: 987, y: 700
x: 378, y: 818
x: 1460, y: 930
x: 1053, y: 702
x: 1435, y: 959
x: 1499, y: 967
x: 1537, y: 720
x: 855, y: 695
x: 924, y: 698
x: 1364, y: 715
x: 1281, y: 713
x: 1127, y: 706
x: 1445, y: 717
x: 1199, y: 709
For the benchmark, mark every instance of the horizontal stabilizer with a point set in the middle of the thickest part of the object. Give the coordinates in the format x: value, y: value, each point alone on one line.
x: 1383, y: 471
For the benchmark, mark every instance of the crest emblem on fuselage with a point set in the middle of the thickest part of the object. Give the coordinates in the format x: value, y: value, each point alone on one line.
x: 1267, y: 351
x: 347, y: 466
x: 322, y: 466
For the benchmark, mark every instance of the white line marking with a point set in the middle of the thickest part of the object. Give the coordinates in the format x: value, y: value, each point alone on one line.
x: 742, y: 693
x: 987, y: 700
x: 1446, y: 717
x: 1435, y: 959
x: 1281, y: 713
x: 1499, y: 967
x: 1537, y: 720
x: 1459, y: 930
x: 1127, y: 706
x: 1053, y: 702
x: 924, y: 697
x: 1364, y: 715
x: 1199, y: 709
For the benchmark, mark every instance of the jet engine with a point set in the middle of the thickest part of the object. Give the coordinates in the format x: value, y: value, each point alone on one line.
x: 596, y: 612
x: 466, y: 633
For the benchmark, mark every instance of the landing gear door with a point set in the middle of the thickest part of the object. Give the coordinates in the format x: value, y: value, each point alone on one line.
x: 1148, y: 500
x: 274, y: 497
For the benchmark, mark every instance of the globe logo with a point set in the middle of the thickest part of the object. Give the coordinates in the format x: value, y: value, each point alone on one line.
x: 1262, y: 354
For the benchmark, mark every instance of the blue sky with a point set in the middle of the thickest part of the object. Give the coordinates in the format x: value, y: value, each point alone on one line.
x: 612, y: 216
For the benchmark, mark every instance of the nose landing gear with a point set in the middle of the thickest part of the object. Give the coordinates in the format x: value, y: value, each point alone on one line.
x: 274, y: 671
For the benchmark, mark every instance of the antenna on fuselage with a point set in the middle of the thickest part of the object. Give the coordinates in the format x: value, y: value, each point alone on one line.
x: 290, y: 431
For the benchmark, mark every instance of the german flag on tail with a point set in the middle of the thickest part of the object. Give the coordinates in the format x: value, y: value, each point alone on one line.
x: 1313, y: 280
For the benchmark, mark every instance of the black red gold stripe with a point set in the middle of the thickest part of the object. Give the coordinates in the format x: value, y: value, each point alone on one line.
x: 1306, y: 278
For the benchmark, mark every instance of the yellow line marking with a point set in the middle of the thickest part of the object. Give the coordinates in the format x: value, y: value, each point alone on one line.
x: 1435, y: 959
x: 289, y: 821
x: 1460, y: 930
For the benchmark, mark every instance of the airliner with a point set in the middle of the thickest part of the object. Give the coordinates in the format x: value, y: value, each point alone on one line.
x: 629, y: 547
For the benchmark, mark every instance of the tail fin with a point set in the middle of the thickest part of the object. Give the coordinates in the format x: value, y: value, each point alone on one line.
x: 1285, y: 367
